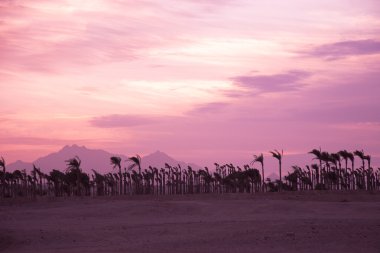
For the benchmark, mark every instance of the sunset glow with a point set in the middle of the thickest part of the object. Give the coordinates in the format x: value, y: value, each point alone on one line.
x: 203, y: 81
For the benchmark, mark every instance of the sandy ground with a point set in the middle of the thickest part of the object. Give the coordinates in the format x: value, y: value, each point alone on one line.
x: 272, y: 222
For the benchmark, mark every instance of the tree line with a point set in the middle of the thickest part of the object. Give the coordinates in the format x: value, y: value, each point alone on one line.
x: 333, y: 171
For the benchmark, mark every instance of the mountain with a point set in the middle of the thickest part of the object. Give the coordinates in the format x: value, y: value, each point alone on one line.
x: 19, y: 165
x: 96, y: 159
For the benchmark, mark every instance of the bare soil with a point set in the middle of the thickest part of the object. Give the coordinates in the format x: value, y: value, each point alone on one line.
x: 270, y: 222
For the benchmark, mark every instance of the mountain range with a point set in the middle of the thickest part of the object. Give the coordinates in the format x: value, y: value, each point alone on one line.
x: 99, y: 160
x: 96, y: 159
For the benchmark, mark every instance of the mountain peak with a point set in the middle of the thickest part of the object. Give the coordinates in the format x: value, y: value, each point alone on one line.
x: 159, y: 155
x: 158, y: 152
x: 73, y: 147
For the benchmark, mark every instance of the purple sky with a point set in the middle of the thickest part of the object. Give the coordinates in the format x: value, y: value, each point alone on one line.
x: 203, y: 81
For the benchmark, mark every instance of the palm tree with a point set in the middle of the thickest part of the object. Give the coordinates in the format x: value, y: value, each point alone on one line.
x: 318, y: 156
x: 254, y: 176
x: 38, y: 172
x: 260, y: 159
x: 136, y: 162
x: 368, y: 158
x: 293, y: 177
x: 17, y: 178
x: 58, y: 179
x: 276, y: 154
x: 361, y: 155
x: 325, y: 171
x: 352, y: 159
x: 317, y: 172
x: 73, y: 166
x: 2, y: 165
x: 335, y: 159
x: 116, y: 162
x: 345, y: 156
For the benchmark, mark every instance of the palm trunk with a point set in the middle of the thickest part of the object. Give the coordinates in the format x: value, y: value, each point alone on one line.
x: 78, y: 184
x: 262, y: 171
x: 352, y: 179
x: 3, y: 181
x: 280, y: 186
x: 40, y: 177
x: 319, y: 174
x: 121, y: 182
x: 345, y: 176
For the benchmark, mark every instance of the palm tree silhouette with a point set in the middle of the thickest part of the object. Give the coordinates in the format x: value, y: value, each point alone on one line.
x: 367, y: 174
x: 254, y: 176
x: 317, y: 172
x: 73, y: 166
x: 276, y: 154
x: 326, y: 158
x: 260, y: 159
x: 40, y: 176
x: 352, y: 159
x: 318, y: 156
x: 116, y: 162
x: 136, y: 162
x: 361, y: 155
x: 345, y: 156
x: 58, y: 179
x: 335, y: 159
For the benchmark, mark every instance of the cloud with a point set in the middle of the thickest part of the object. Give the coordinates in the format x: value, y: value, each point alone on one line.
x: 350, y: 98
x: 208, y: 108
x: 119, y: 120
x: 55, y: 37
x: 288, y: 81
x: 343, y: 49
x: 342, y: 114
x: 37, y: 141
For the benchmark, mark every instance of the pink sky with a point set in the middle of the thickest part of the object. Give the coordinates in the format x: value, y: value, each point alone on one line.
x: 202, y: 80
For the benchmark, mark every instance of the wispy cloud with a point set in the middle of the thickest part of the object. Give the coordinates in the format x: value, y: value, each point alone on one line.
x: 37, y: 141
x: 288, y: 81
x: 209, y: 108
x: 120, y: 120
x: 343, y: 49
x: 343, y: 114
x: 133, y: 120
x: 45, y: 36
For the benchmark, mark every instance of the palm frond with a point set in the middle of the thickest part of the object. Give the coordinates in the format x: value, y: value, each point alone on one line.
x: 116, y: 161
x: 276, y: 154
x: 73, y: 163
x: 359, y: 154
x: 258, y: 158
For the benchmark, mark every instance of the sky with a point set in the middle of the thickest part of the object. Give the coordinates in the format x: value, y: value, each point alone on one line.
x: 201, y: 80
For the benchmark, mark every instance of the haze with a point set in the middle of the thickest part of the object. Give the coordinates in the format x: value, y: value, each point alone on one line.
x: 203, y: 81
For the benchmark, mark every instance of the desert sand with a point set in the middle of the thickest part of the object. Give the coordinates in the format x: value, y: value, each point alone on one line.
x: 270, y: 222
